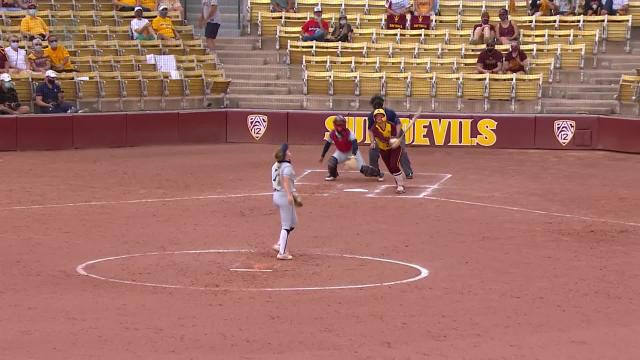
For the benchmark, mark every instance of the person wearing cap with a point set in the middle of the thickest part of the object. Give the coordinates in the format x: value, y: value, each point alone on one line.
x: 38, y: 60
x: 315, y: 29
x: 490, y: 60
x: 33, y: 26
x: 212, y: 18
x: 16, y: 57
x: 377, y: 102
x: 343, y: 32
x: 9, y: 102
x: 283, y: 5
x: 141, y: 27
x: 50, y: 96
x: 515, y: 61
x: 58, y: 55
x: 128, y: 5
x: 163, y: 26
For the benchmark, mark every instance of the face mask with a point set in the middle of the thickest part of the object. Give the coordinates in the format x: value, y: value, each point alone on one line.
x: 594, y: 6
x: 53, y: 44
x: 490, y: 48
x: 343, y: 22
x: 51, y: 81
x: 7, y: 84
x: 38, y: 47
x: 15, y: 45
x: 504, y: 17
x: 318, y: 17
x: 164, y: 13
x: 485, y: 21
x: 515, y: 49
x: 31, y: 12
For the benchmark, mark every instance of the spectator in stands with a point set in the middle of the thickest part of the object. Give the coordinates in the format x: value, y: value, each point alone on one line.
x: 4, y: 61
x: 616, y: 7
x: 283, y: 5
x: 507, y: 29
x: 490, y: 60
x: 593, y: 9
x: 9, y: 102
x: 515, y: 61
x: 315, y: 29
x: 50, y: 97
x: 16, y: 56
x: 58, y: 56
x: 38, y: 61
x: 547, y: 8
x: 211, y: 17
x: 33, y: 26
x: 163, y: 26
x: 128, y: 5
x: 343, y: 32
x: 16, y: 5
x: 423, y: 8
x: 151, y: 5
x: 483, y: 32
x: 398, y: 7
x: 141, y: 27
x: 174, y: 5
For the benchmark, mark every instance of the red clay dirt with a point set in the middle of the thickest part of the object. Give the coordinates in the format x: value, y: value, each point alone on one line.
x: 505, y: 282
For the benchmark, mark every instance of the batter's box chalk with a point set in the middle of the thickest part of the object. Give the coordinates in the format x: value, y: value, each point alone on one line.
x: 412, y: 191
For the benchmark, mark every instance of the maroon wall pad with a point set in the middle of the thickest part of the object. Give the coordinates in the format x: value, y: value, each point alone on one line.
x: 152, y: 128
x: 203, y: 126
x: 99, y: 130
x: 45, y: 132
x: 566, y: 132
x: 259, y: 126
x: 8, y: 132
x: 619, y: 134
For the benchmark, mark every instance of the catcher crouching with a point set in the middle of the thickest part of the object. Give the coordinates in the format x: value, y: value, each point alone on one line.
x: 346, y: 152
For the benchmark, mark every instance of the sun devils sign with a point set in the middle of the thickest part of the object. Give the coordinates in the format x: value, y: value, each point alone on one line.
x: 257, y: 125
x: 564, y: 130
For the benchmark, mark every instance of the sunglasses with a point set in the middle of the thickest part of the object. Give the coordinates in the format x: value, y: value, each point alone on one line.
x: 15, y: 41
x: 53, y: 41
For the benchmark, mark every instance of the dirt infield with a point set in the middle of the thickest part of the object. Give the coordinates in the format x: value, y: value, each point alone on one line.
x: 530, y: 255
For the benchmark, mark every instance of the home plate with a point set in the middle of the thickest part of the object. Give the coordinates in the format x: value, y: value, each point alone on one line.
x: 356, y: 190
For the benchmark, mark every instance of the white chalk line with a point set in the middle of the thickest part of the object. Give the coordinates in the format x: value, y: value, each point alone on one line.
x: 251, y: 270
x: 541, y: 212
x: 423, y: 272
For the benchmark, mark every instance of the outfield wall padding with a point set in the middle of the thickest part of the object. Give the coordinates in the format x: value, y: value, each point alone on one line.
x: 45, y: 132
x: 8, y: 133
x: 99, y: 130
x: 511, y: 131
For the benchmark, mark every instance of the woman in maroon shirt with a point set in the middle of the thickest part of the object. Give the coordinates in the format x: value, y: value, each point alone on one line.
x: 515, y: 61
x: 507, y: 29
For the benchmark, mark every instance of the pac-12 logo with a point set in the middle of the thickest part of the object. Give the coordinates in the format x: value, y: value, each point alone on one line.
x: 257, y: 125
x: 564, y: 130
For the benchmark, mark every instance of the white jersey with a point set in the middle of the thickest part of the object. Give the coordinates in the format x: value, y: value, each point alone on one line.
x: 278, y: 170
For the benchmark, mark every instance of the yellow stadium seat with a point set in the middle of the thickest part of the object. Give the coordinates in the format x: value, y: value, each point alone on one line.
x: 383, y: 50
x: 629, y: 89
x: 417, y: 66
x: 268, y: 22
x: 316, y: 63
x: 352, y: 49
x: 397, y: 84
x: 394, y: 65
x: 405, y: 50
x: 501, y: 86
x: 422, y: 85
x: 618, y: 28
x: 316, y: 83
x: 447, y: 86
x: 371, y: 83
x: 446, y: 22
x: 450, y: 7
x: 528, y: 87
x: 367, y: 65
x: 344, y: 83
x: 475, y: 86
x: 285, y: 34
x: 369, y: 21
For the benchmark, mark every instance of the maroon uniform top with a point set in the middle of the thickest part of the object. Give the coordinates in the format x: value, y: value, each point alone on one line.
x: 3, y: 58
x: 312, y: 25
x: 513, y: 65
x: 490, y: 60
x: 507, y: 32
x: 491, y: 27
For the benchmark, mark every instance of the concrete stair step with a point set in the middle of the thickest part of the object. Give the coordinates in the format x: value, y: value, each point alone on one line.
x: 282, y: 70
x: 248, y: 105
x: 251, y: 76
x: 266, y: 55
x: 625, y: 66
x: 294, y: 86
x: 244, y: 61
x: 606, y: 81
x: 238, y: 40
x: 580, y: 103
x: 582, y: 110
x: 235, y: 47
x: 259, y: 91
x: 591, y: 95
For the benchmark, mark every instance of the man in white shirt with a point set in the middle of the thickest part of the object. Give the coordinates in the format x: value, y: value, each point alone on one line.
x: 616, y: 7
x: 212, y: 18
x: 16, y: 57
x: 141, y: 27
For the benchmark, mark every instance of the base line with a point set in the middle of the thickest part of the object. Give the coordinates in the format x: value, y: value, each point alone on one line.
x: 252, y: 270
x: 540, y: 212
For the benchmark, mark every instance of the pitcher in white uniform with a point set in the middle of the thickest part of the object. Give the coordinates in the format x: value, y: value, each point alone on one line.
x: 283, y: 182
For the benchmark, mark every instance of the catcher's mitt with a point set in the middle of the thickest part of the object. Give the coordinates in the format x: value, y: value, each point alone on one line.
x: 297, y: 200
x: 351, y: 163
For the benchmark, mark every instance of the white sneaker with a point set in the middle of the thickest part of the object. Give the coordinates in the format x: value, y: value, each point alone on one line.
x: 276, y: 248
x: 330, y: 178
x: 285, y: 256
x: 400, y: 189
